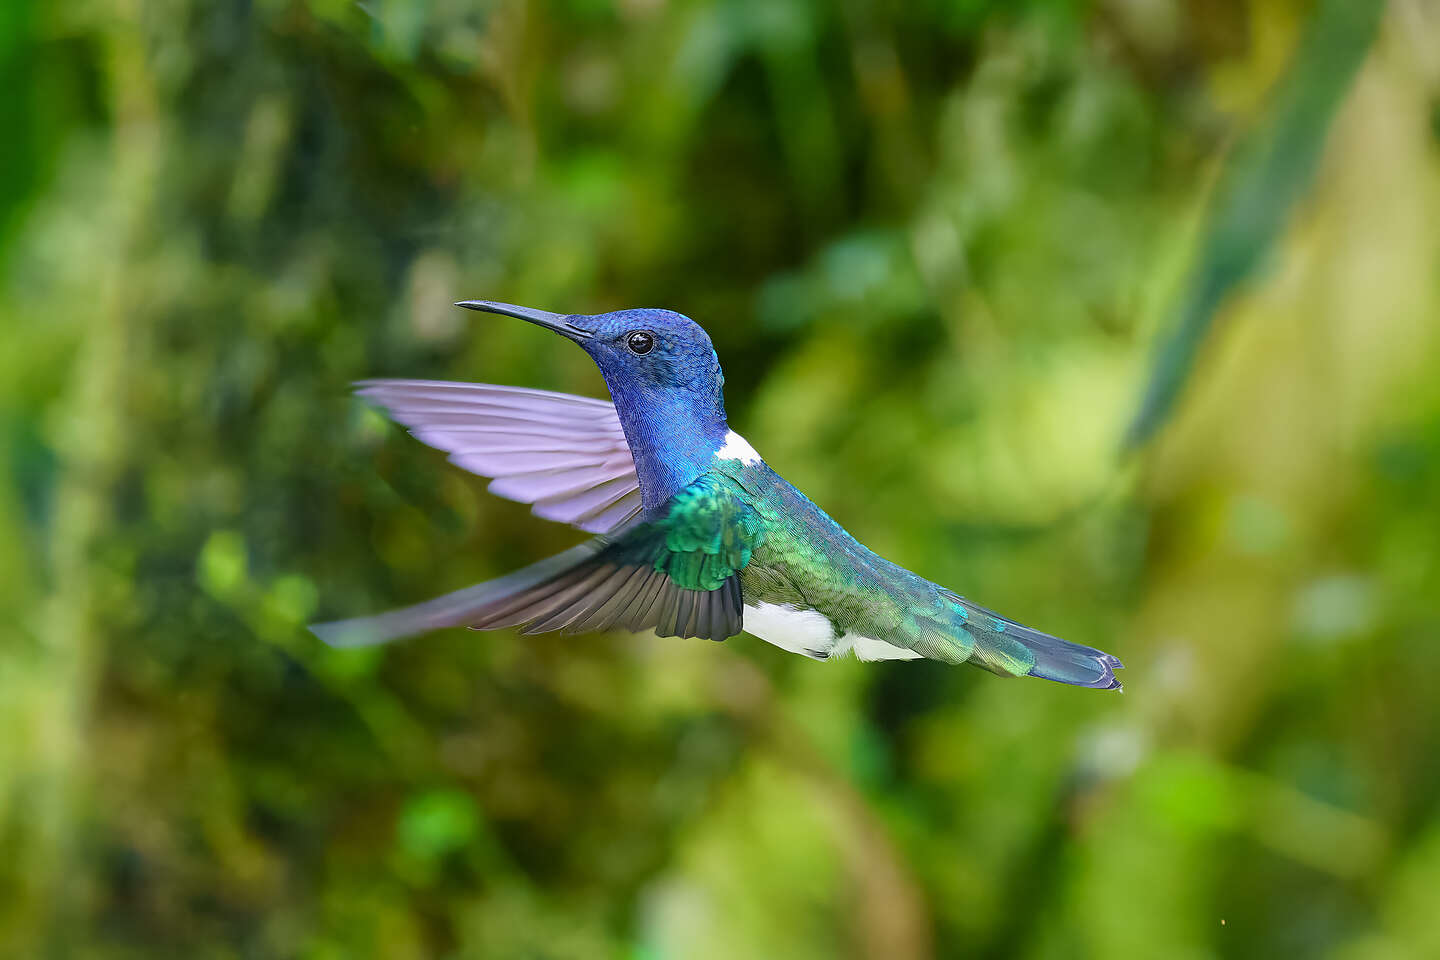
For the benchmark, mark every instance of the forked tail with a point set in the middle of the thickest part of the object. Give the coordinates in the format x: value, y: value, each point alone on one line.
x: 1003, y: 646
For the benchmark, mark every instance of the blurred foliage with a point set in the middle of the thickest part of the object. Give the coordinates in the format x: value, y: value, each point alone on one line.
x: 1263, y: 184
x: 934, y: 243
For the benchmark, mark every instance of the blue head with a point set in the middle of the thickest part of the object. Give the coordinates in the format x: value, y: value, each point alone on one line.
x: 666, y: 382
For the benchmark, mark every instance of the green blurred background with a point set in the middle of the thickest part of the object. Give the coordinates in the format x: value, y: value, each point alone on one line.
x: 956, y: 257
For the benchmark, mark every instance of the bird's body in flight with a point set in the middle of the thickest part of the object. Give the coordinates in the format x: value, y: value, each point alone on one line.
x: 698, y: 537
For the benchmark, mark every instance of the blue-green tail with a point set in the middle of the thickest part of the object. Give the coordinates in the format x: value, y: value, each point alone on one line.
x: 1002, y: 646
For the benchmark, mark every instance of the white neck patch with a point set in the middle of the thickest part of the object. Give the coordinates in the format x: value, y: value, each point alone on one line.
x: 737, y: 447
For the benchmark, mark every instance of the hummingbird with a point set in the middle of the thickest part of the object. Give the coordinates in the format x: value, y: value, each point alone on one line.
x: 696, y: 536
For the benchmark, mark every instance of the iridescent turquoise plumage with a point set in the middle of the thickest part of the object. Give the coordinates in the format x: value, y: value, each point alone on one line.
x: 702, y: 538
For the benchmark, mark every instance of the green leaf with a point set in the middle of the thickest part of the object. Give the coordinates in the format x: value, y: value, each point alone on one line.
x: 1266, y: 178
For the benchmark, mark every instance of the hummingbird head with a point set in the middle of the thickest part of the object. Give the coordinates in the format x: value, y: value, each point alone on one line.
x: 663, y: 375
x: 649, y: 349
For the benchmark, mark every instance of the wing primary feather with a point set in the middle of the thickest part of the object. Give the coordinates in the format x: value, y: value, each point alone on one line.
x: 685, y: 614
x: 536, y: 445
x: 579, y: 606
x: 699, y: 610
x: 455, y: 609
x: 667, y: 611
x: 525, y: 607
x: 606, y: 613
x: 646, y: 605
x: 705, y: 624
x: 614, y: 517
x: 503, y: 612
x: 498, y: 393
x: 704, y: 620
x: 737, y: 608
x: 587, y: 504
x: 721, y: 612
x: 621, y: 579
x: 549, y: 484
x: 560, y: 607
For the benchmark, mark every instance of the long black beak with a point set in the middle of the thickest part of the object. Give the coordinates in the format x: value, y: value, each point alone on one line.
x: 544, y: 318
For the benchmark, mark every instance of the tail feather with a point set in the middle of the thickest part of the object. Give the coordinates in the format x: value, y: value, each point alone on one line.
x: 1073, y: 663
x: 1012, y: 649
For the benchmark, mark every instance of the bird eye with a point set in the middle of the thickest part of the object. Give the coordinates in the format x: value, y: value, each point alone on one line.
x: 640, y: 342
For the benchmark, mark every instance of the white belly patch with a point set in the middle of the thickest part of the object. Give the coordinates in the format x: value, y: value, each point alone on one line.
x: 805, y: 632
x: 810, y: 634
x: 868, y: 648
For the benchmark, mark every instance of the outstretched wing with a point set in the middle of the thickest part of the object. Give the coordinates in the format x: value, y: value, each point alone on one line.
x: 677, y: 574
x: 565, y: 454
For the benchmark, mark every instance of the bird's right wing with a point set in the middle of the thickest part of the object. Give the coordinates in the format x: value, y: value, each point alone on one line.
x: 677, y: 574
x: 565, y: 454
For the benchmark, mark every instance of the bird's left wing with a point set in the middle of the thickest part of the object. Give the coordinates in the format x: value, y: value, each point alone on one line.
x: 676, y: 573
x: 565, y: 454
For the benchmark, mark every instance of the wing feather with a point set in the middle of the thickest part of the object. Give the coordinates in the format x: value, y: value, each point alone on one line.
x: 566, y: 455
x: 677, y: 573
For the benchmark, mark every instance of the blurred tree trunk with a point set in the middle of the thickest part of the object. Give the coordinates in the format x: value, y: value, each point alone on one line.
x: 46, y: 788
